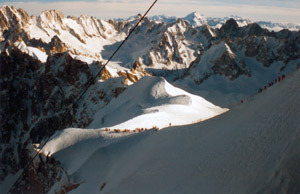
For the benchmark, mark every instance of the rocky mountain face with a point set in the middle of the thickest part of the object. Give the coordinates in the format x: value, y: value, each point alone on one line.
x: 47, y: 61
x: 35, y: 97
x: 237, y: 44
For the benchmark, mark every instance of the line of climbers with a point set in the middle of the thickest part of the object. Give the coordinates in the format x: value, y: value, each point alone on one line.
x: 137, y: 130
x: 277, y: 80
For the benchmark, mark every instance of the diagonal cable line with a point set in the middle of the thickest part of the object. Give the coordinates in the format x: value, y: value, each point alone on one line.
x: 90, y: 83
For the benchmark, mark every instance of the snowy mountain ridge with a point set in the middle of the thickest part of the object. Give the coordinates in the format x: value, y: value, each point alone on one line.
x: 155, y: 103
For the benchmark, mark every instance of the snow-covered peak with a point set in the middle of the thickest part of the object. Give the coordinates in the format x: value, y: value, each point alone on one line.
x: 196, y: 19
x: 195, y: 15
x: 8, y: 11
x: 10, y: 16
x: 51, y: 16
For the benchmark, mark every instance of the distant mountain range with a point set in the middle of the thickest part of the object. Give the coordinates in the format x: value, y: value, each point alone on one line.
x: 197, y: 19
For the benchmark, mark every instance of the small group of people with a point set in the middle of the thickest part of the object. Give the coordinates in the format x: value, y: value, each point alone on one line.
x: 280, y: 78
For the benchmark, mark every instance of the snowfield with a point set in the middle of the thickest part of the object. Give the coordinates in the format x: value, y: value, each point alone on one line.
x: 254, y: 148
x: 151, y: 102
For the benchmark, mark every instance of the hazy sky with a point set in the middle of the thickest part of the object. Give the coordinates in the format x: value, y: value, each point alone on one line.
x: 267, y: 10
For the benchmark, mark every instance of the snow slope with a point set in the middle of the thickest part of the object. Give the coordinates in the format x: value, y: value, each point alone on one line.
x: 150, y: 102
x: 154, y: 102
x: 253, y: 148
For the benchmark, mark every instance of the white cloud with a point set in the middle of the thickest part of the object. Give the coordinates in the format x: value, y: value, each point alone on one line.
x: 125, y: 8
